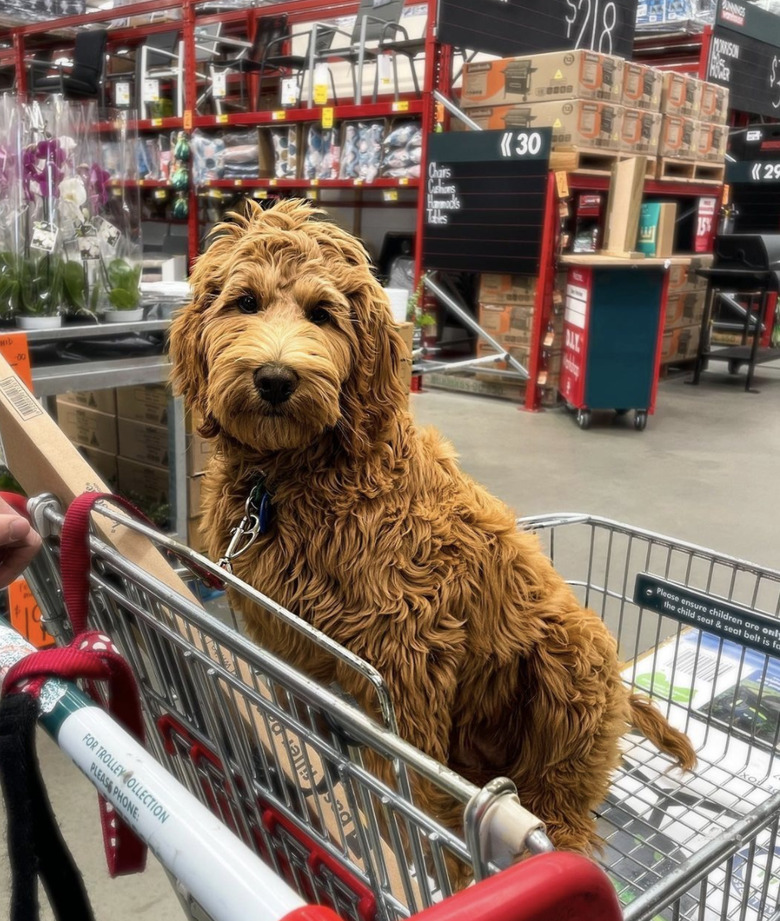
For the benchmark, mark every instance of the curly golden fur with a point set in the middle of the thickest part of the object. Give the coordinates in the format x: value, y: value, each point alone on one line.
x: 378, y: 539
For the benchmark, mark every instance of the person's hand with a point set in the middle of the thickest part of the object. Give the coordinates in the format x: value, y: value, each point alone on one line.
x: 19, y: 542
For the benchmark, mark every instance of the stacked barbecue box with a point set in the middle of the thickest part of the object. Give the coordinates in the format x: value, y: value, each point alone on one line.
x: 599, y: 103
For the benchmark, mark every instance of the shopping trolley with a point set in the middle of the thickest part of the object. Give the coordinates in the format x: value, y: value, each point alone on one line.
x: 279, y: 759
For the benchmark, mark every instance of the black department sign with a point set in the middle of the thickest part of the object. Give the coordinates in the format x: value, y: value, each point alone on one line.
x: 484, y: 200
x: 513, y: 27
x: 745, y: 56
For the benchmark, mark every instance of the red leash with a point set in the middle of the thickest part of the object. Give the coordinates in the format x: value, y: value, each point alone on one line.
x: 92, y: 656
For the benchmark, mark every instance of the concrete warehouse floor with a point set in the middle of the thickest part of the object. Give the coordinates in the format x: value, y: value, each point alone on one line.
x: 705, y: 470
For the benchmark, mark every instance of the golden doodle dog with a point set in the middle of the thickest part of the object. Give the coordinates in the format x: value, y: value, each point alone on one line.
x: 288, y: 353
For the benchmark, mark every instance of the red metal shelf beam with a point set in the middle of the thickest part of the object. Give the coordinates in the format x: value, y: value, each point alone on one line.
x: 311, y: 184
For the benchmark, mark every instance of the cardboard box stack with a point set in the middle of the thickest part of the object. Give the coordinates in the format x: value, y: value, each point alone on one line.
x: 124, y: 435
x: 506, y: 312
x: 576, y: 93
x: 684, y: 309
x: 597, y: 101
x: 88, y: 418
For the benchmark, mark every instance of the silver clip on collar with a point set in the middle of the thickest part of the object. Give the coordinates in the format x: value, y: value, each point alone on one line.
x: 243, y: 536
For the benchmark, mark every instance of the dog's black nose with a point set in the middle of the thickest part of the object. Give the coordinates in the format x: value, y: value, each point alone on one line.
x: 275, y: 383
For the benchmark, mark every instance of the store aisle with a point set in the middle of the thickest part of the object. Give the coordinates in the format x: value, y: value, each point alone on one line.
x: 704, y: 470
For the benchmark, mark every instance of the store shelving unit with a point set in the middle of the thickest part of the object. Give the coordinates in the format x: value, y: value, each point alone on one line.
x: 682, y: 51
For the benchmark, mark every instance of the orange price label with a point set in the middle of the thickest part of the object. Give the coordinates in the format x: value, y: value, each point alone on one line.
x: 14, y: 348
x: 187, y: 121
x: 26, y: 615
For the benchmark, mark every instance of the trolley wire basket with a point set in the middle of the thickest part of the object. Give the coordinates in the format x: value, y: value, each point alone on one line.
x: 701, y: 633
x: 281, y: 760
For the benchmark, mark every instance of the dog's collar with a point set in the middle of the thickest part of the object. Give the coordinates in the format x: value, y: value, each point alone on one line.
x: 256, y: 521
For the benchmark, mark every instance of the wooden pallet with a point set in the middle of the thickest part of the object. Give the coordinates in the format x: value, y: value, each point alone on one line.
x: 670, y: 170
x: 594, y: 162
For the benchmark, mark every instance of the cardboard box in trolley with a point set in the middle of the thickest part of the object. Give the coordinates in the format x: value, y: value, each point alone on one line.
x: 642, y: 86
x: 678, y: 138
x: 543, y: 77
x: 574, y: 122
x: 640, y: 131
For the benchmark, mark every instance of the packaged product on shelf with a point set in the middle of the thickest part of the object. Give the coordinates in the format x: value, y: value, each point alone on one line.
x: 402, y: 152
x: 642, y: 86
x: 681, y: 94
x: 321, y: 160
x: 361, y: 151
x: 640, y: 131
x: 208, y: 157
x: 285, y: 151
x: 575, y: 122
x: 711, y: 142
x: 714, y: 105
x: 241, y: 155
x: 542, y: 77
x: 678, y: 138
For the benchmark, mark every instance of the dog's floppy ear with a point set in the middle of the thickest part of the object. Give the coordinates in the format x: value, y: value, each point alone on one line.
x: 374, y: 393
x: 189, y: 373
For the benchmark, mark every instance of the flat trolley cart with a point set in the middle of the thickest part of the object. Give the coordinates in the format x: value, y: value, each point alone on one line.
x: 280, y: 760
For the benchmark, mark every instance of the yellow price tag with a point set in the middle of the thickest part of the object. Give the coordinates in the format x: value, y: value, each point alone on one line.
x: 327, y: 117
x: 160, y: 194
x: 140, y: 182
x: 401, y: 106
x: 272, y: 182
x: 404, y: 180
x: 358, y: 182
x: 260, y: 193
x: 279, y: 116
x: 238, y: 182
x: 187, y: 123
x: 222, y: 119
x: 390, y: 195
x: 156, y: 122
x: 320, y: 94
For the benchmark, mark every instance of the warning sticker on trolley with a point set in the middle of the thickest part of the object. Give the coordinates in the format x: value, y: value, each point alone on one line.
x: 657, y: 819
x: 14, y: 647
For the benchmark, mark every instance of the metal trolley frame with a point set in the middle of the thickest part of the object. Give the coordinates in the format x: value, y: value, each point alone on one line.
x: 280, y: 759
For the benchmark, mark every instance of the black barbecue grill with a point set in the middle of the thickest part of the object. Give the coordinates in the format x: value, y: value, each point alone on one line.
x: 519, y: 117
x: 517, y: 77
x: 745, y: 274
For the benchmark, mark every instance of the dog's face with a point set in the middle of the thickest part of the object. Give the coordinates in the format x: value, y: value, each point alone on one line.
x: 288, y: 334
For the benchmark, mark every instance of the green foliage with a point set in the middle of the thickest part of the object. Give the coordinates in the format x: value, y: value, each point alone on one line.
x: 31, y: 286
x: 124, y: 293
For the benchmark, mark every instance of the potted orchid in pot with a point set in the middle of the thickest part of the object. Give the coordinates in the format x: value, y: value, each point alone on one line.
x: 101, y: 277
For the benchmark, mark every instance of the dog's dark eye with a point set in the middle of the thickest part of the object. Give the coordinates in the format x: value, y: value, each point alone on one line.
x: 247, y: 303
x: 320, y: 315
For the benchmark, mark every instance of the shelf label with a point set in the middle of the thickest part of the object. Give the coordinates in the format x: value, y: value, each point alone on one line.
x: 219, y: 84
x: 260, y: 193
x: 390, y: 194
x: 222, y: 119
x: 313, y: 194
x: 187, y: 120
x: 272, y: 182
x: 401, y: 106
x: 327, y: 117
x: 160, y: 194
x: 404, y: 180
x: 237, y: 182
x: 279, y: 115
x: 358, y: 182
x: 156, y: 123
x: 151, y: 90
x: 122, y: 94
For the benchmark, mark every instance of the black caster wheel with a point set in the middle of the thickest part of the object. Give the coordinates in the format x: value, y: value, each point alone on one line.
x: 583, y: 418
x: 640, y: 420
